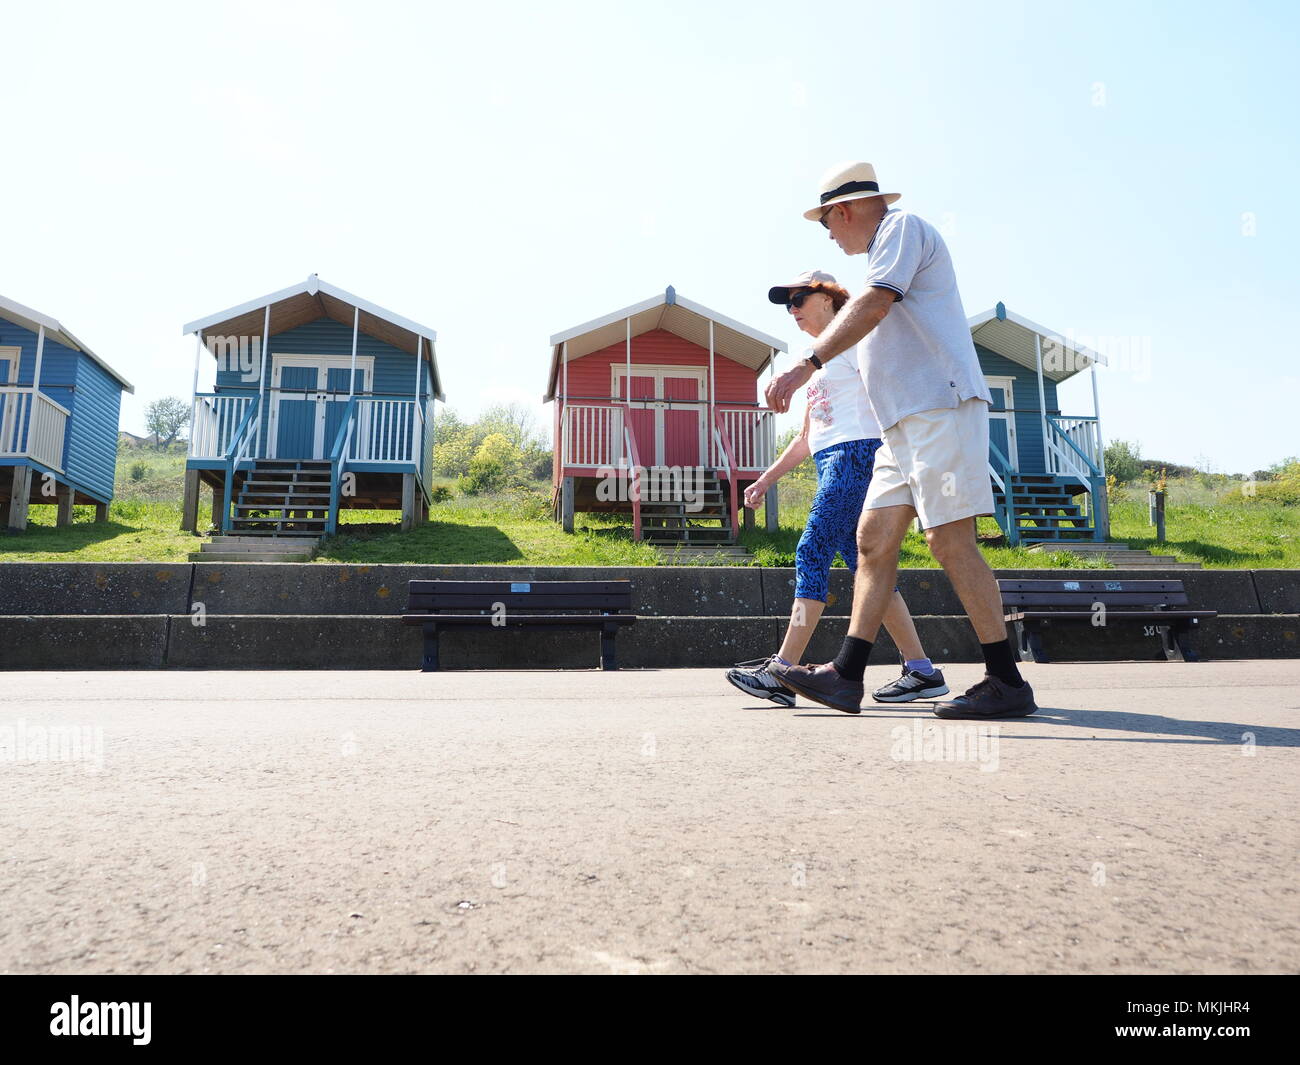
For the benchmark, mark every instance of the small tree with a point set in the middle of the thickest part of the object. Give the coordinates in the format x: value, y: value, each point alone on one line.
x: 165, y: 418
x: 1124, y: 460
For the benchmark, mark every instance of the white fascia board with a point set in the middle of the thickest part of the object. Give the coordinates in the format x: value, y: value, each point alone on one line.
x: 252, y: 305
x: 311, y: 286
x: 35, y: 321
x: 611, y: 318
x: 377, y: 311
x: 732, y: 324
x: 975, y: 321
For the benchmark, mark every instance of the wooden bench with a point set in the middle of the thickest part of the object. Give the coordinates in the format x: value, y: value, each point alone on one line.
x: 1159, y: 606
x: 519, y: 604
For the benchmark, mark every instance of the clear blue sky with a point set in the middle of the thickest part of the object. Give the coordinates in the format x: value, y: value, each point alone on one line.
x: 504, y: 171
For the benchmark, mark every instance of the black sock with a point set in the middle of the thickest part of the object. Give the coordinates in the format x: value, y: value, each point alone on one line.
x: 1001, y: 662
x: 851, y: 662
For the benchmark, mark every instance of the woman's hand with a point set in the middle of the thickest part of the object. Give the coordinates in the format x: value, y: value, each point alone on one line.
x: 755, y: 492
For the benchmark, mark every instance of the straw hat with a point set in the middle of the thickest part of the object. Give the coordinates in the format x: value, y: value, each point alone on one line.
x: 848, y: 181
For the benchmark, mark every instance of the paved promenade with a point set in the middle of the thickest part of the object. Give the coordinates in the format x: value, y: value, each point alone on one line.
x: 645, y: 822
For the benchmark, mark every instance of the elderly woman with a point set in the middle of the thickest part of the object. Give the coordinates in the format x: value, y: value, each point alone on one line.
x: 841, y: 434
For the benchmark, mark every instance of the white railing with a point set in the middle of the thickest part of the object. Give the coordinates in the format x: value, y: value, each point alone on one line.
x: 216, y: 417
x: 1063, y: 459
x: 33, y: 425
x: 591, y: 435
x: 385, y: 431
x: 45, y: 435
x: 753, y: 438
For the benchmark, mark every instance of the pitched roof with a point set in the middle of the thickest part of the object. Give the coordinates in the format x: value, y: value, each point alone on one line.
x: 677, y: 315
x: 35, y: 321
x: 1012, y: 336
x: 313, y: 299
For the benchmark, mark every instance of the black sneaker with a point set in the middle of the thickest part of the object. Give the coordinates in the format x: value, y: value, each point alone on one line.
x: 912, y: 685
x: 991, y: 697
x: 760, y: 683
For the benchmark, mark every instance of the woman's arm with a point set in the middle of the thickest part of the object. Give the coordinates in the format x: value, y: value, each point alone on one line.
x: 795, y: 453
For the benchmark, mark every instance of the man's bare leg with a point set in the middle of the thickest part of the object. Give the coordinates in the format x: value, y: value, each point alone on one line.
x: 955, y: 549
x: 880, y: 532
x: 1003, y: 692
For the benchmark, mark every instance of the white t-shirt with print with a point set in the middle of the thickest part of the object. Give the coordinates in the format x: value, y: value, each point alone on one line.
x: 837, y: 405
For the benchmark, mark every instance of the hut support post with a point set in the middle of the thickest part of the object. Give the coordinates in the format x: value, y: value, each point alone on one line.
x: 63, y: 493
x: 1042, y: 400
x: 708, y: 429
x: 1101, y: 505
x: 769, y: 510
x: 566, y: 503
x: 409, y: 491
x: 194, y: 390
x: 262, y: 371
x: 190, y: 503
x: 22, y: 486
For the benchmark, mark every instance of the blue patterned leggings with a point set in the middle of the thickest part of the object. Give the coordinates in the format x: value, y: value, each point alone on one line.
x: 843, y: 475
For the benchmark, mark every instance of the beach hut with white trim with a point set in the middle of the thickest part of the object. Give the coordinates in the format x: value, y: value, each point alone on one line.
x: 337, y: 415
x: 1048, y: 468
x: 59, y: 408
x: 657, y: 415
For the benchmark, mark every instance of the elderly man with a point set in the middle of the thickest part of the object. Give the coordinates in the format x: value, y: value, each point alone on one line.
x: 926, y: 389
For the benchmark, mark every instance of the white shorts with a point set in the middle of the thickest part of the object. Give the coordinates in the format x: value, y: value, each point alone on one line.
x: 937, y: 463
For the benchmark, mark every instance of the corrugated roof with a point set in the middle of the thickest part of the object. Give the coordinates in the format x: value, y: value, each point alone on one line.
x: 1012, y: 336
x: 35, y: 321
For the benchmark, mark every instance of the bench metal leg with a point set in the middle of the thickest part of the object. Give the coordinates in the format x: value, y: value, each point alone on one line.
x: 430, y: 663
x: 1029, y: 642
x: 607, y: 659
x: 1176, y: 639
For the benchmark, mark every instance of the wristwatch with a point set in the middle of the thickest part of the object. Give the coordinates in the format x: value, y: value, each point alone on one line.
x: 810, y: 357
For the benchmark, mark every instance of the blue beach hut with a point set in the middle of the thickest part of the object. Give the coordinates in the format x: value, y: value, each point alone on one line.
x: 1048, y: 468
x: 338, y: 414
x: 59, y: 407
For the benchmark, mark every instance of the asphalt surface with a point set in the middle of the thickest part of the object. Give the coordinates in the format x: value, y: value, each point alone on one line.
x: 645, y: 822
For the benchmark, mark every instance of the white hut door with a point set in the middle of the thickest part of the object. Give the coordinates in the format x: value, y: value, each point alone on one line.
x: 308, y: 398
x: 9, y: 401
x: 1002, y: 419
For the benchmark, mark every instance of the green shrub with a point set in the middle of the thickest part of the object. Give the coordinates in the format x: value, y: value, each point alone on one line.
x: 441, y: 493
x: 1124, y: 460
x: 139, y: 471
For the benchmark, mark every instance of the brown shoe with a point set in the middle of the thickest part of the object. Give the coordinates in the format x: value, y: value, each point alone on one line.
x: 991, y: 697
x: 821, y: 684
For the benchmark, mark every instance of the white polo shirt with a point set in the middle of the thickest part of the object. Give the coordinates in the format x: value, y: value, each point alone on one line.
x: 837, y: 405
x: 921, y: 357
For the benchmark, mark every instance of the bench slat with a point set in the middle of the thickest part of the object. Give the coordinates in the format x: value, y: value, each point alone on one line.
x: 519, y: 602
x: 1067, y: 599
x: 1089, y: 585
x: 1111, y: 615
x: 425, y: 587
x: 584, y: 620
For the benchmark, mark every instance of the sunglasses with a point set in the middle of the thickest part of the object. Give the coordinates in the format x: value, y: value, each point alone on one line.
x: 826, y: 214
x: 797, y: 300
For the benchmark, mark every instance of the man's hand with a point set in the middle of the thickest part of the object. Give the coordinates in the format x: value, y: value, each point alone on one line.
x: 782, y: 389
x: 754, y: 494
